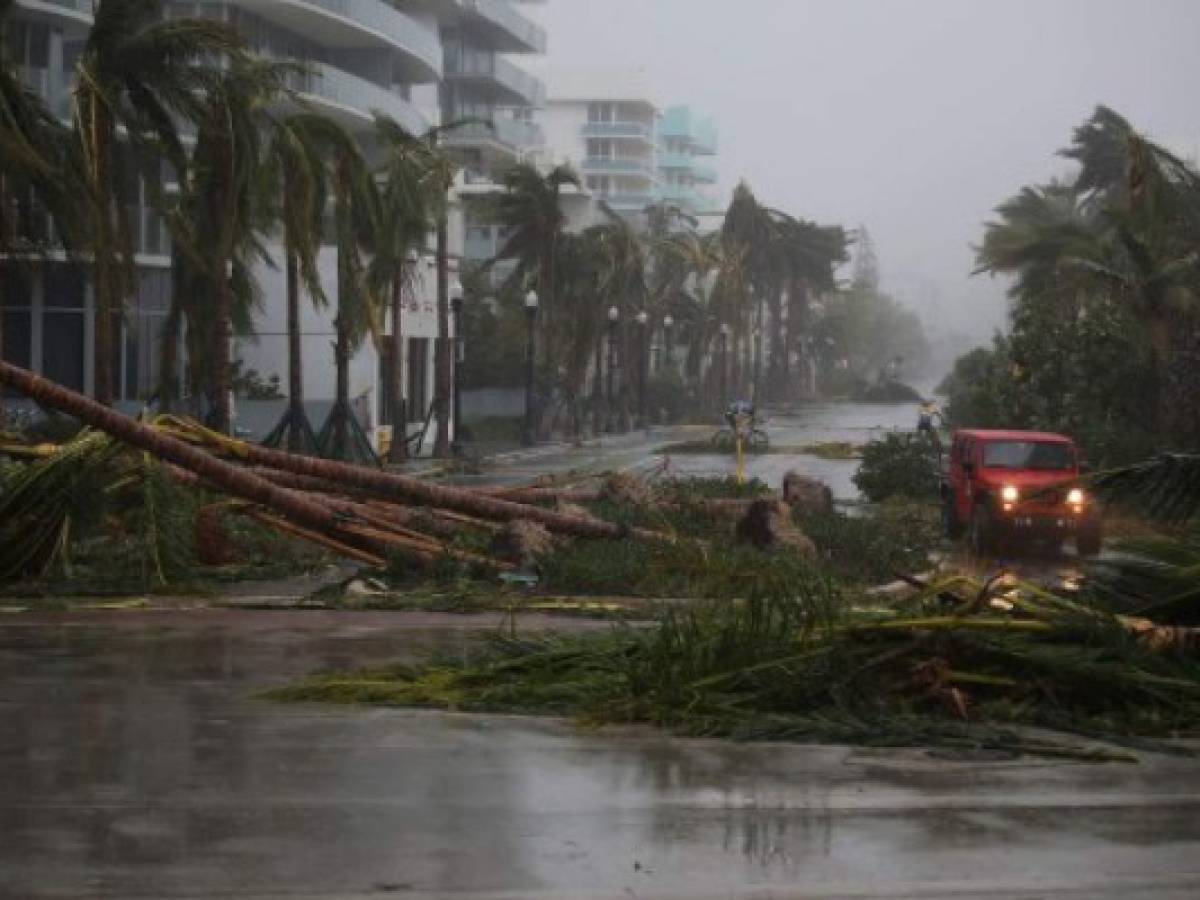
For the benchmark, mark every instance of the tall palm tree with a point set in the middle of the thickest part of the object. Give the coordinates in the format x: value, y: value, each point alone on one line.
x: 529, y: 210
x: 295, y: 173
x: 223, y: 211
x: 1127, y: 229
x: 407, y: 201
x: 355, y: 204
x: 417, y: 179
x: 137, y: 74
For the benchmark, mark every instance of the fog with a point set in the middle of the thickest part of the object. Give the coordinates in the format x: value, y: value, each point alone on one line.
x: 913, y: 117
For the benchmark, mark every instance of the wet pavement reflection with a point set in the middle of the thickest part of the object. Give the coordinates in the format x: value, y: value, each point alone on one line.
x: 135, y: 761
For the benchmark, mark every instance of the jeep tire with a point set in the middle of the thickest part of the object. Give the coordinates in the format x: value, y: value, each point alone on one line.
x: 1089, y: 539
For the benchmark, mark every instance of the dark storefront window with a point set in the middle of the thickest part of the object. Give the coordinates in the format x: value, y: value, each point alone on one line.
x: 418, y: 380
x: 63, y: 325
x: 16, y: 319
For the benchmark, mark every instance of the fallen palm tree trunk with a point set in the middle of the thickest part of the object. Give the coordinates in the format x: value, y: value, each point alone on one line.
x: 316, y: 514
x: 228, y: 478
x: 412, y: 490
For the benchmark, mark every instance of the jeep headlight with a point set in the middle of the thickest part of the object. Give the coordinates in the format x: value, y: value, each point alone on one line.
x: 1075, y: 497
x: 1009, y: 494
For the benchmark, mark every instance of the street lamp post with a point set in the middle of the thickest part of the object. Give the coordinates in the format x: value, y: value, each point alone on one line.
x: 531, y: 309
x: 643, y: 320
x: 723, y: 399
x: 668, y: 344
x: 456, y: 305
x: 758, y: 360
x: 614, y: 316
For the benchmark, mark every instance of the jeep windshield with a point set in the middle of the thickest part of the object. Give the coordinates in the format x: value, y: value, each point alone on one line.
x: 1037, y: 455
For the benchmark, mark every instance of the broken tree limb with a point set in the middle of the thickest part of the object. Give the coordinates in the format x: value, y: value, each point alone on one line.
x: 421, y: 493
x: 228, y: 478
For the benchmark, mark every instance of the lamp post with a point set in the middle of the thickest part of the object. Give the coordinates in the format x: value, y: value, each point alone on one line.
x: 757, y: 387
x: 723, y: 399
x: 531, y: 308
x: 643, y: 320
x: 456, y: 305
x: 614, y: 316
x: 668, y: 344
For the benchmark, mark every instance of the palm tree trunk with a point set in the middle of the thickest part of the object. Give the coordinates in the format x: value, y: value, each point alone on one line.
x: 229, y: 478
x: 598, y: 388
x: 219, y: 365
x: 398, y: 451
x: 341, y: 407
x: 441, y: 443
x: 295, y: 353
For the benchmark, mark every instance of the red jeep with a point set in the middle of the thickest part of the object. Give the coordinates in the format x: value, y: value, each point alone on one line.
x: 1008, y: 487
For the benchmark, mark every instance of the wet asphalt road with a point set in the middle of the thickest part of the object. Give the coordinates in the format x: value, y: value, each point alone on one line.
x: 136, y: 762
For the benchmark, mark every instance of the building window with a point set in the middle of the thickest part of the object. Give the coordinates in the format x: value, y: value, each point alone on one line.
x: 16, y: 319
x: 600, y: 112
x: 63, y: 325
x: 418, y: 379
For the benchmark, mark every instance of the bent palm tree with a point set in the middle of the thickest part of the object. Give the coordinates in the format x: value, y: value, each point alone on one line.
x: 294, y: 169
x: 136, y: 75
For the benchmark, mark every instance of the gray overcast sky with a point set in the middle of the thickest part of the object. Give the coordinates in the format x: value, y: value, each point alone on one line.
x: 914, y: 117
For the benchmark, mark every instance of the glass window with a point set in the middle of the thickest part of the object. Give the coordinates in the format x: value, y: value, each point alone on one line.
x: 62, y: 348
x: 1038, y: 455
x: 64, y: 286
x: 418, y: 379
x: 15, y: 286
x: 17, y: 327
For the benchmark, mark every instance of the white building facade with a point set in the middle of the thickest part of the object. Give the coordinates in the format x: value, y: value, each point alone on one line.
x: 417, y: 61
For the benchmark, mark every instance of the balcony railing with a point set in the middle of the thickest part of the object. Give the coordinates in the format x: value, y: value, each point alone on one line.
x: 675, y: 160
x: 517, y: 136
x: 356, y: 96
x: 629, y: 201
x: 680, y: 196
x: 619, y: 165
x: 76, y: 10
x: 422, y: 45
x: 639, y: 130
x: 704, y: 174
x: 503, y: 15
x: 523, y: 87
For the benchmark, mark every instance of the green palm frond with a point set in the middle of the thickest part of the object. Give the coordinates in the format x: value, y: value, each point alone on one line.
x: 1166, y: 487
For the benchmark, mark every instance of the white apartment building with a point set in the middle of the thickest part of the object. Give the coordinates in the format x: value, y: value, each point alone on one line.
x: 418, y: 61
x: 630, y: 152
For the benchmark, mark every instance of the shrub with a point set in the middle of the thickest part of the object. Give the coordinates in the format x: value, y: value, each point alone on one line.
x: 901, y: 465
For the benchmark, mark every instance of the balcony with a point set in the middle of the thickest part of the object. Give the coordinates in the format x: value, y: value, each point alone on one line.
x: 678, y: 195
x: 678, y: 161
x: 508, y: 83
x: 359, y: 24
x: 50, y: 86
x: 352, y: 100
x: 501, y: 25
x: 630, y: 202
x: 505, y: 137
x: 75, y: 15
x: 704, y: 174
x: 640, y: 131
x: 619, y: 166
